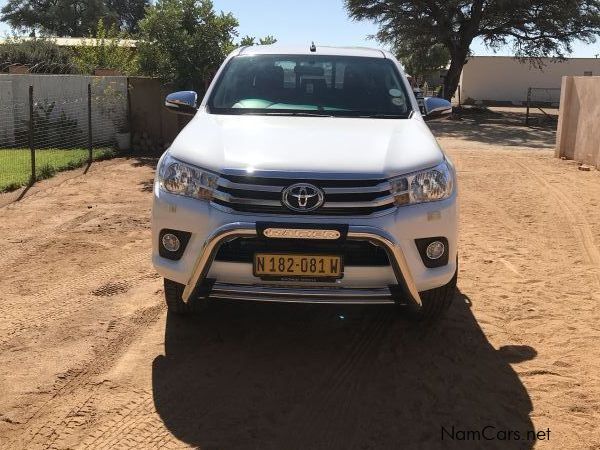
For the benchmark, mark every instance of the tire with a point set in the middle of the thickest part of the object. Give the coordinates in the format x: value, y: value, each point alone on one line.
x: 435, y: 302
x: 175, y: 303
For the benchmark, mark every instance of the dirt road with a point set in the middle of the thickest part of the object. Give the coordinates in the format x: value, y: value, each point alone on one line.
x: 89, y: 357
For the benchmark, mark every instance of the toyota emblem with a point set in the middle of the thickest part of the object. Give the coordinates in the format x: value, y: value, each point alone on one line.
x: 302, y: 197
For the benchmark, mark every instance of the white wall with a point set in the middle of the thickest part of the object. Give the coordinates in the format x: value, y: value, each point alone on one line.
x: 7, y: 116
x: 69, y: 94
x: 503, y: 78
x: 578, y: 134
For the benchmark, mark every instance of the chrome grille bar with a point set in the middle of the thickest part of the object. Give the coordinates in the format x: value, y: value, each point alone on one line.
x: 381, y: 187
x: 249, y: 187
x: 362, y: 296
x: 263, y: 195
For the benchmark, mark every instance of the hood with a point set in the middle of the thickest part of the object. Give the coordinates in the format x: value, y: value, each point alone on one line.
x: 360, y: 146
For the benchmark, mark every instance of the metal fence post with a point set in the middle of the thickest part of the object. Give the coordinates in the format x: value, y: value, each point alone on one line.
x: 31, y: 135
x: 128, y: 87
x: 90, y: 155
x: 528, y: 102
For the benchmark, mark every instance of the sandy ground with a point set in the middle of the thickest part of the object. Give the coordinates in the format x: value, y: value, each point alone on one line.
x: 90, y: 358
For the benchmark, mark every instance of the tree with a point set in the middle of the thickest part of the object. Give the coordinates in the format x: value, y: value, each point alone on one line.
x: 57, y: 17
x: 128, y: 13
x: 248, y: 41
x: 422, y: 61
x: 103, y: 51
x: 75, y: 18
x: 185, y: 41
x: 267, y: 40
x: 534, y: 28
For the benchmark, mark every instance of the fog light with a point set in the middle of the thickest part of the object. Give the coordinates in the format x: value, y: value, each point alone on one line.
x: 435, y: 250
x: 171, y: 242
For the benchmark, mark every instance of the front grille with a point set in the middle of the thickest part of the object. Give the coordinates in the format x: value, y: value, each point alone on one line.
x: 342, y: 197
x: 354, y: 253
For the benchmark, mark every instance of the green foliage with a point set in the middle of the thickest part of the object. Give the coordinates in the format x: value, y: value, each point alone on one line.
x: 422, y: 61
x: 533, y: 28
x: 34, y: 51
x: 110, y: 102
x: 44, y: 172
x: 127, y: 13
x: 57, y: 17
x: 184, y: 41
x: 104, y: 52
x: 49, y: 130
x: 16, y: 163
x: 72, y: 18
x: 248, y: 41
x: 267, y: 40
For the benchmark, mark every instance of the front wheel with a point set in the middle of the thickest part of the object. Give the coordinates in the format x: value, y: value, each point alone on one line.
x: 435, y: 302
x: 175, y: 303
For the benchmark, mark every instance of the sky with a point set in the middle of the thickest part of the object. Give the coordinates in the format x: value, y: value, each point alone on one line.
x: 322, y: 21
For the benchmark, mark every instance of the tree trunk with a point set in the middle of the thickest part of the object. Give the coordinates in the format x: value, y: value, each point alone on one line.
x: 453, y: 76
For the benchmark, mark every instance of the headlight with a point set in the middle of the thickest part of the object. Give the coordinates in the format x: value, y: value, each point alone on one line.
x: 179, y: 178
x: 425, y: 186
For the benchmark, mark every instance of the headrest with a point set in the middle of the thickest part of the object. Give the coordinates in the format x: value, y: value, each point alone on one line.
x: 269, y: 76
x: 353, y: 78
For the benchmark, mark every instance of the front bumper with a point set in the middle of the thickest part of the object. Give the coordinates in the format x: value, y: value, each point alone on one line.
x: 395, y: 232
x: 338, y: 295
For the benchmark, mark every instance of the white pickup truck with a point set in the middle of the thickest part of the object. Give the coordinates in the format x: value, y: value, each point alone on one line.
x: 307, y: 175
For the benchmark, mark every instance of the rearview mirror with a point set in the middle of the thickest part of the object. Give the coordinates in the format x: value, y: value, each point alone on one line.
x: 436, y: 107
x: 182, y: 102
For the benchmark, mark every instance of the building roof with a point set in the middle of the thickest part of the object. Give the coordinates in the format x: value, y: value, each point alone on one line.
x: 72, y: 42
x: 544, y: 58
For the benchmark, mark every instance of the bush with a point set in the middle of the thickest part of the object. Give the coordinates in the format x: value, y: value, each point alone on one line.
x: 50, y: 129
x: 41, y: 54
x: 104, y: 52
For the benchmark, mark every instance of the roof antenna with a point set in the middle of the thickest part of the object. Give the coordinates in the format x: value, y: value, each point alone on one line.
x: 313, y: 48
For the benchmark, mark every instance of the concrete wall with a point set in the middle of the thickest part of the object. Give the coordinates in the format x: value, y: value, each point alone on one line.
x: 490, y: 79
x: 136, y: 102
x: 7, y: 115
x: 578, y: 133
x: 69, y: 94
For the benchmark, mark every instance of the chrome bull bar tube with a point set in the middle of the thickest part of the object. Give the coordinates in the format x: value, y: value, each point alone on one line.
x: 218, y: 237
x: 362, y: 233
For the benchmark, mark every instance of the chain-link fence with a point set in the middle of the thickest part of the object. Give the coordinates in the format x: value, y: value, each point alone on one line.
x: 44, y: 130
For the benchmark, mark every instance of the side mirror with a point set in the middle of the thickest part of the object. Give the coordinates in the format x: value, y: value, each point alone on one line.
x: 436, y: 107
x: 182, y: 102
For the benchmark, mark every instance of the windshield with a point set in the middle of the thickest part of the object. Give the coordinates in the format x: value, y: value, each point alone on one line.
x: 310, y: 85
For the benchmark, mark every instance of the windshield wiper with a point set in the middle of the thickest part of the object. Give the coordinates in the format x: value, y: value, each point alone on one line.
x: 294, y: 113
x: 385, y: 116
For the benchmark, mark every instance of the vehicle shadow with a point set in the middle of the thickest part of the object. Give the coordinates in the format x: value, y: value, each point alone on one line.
x: 311, y: 376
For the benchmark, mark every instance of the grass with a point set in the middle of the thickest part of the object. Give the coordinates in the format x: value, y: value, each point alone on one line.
x: 15, y: 164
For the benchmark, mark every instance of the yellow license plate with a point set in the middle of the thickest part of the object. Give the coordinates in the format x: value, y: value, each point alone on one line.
x: 293, y: 265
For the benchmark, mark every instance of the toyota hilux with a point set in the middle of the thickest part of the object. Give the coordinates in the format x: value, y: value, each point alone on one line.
x: 306, y: 175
